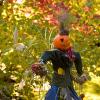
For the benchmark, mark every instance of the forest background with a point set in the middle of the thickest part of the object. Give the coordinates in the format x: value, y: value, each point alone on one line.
x: 27, y: 28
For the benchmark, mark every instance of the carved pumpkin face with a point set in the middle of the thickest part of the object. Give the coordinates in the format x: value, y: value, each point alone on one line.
x: 62, y: 42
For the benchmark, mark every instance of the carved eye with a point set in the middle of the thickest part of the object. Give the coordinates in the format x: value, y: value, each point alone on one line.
x: 62, y: 40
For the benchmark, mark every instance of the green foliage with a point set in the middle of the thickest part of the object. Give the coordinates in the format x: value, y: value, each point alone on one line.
x: 36, y: 26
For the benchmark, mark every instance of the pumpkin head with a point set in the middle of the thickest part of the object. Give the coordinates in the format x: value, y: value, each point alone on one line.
x: 62, y: 42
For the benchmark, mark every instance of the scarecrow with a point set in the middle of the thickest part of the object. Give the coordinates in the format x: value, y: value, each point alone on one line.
x: 62, y: 57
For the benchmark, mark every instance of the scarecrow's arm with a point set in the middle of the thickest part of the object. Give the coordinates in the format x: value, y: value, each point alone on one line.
x: 78, y: 63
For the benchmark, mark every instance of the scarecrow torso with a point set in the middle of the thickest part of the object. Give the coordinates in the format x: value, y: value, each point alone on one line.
x: 59, y: 59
